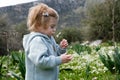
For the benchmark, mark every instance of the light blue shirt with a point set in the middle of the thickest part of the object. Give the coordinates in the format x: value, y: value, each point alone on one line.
x: 42, y: 57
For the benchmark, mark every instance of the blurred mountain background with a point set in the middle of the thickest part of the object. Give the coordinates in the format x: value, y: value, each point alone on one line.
x: 80, y: 20
x: 13, y: 20
x: 70, y: 12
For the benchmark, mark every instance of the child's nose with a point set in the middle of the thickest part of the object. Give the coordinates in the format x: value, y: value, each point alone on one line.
x: 54, y: 29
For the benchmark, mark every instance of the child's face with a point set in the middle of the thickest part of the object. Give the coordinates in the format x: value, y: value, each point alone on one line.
x: 51, y: 27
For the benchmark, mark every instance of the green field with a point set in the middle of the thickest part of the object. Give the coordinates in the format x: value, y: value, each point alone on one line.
x: 85, y: 65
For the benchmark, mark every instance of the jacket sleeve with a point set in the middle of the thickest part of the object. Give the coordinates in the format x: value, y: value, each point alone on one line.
x: 60, y: 50
x: 39, y: 56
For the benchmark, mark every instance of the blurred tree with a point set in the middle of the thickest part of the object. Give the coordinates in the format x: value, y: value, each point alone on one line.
x: 103, y: 20
x: 71, y: 34
x: 16, y: 35
x: 21, y: 28
x: 3, y: 23
x: 3, y: 43
x: 3, y: 35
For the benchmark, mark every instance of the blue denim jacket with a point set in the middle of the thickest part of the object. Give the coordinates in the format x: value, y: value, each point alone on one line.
x: 41, y: 57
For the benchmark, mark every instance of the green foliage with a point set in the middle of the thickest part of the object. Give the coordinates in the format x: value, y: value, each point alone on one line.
x: 70, y: 51
x: 2, y: 70
x: 71, y: 34
x: 87, y: 70
x: 107, y: 43
x: 19, y: 58
x: 101, y: 19
x: 97, y: 48
x: 3, y: 43
x: 87, y: 67
x: 107, y: 61
x: 116, y: 57
x: 80, y: 48
x: 82, y: 67
x: 12, y: 67
x: 76, y: 75
x: 15, y: 75
x: 111, y: 62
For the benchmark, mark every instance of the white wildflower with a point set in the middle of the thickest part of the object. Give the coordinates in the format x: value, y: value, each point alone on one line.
x: 58, y: 34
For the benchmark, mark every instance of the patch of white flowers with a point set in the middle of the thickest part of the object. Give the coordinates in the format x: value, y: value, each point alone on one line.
x: 79, y: 62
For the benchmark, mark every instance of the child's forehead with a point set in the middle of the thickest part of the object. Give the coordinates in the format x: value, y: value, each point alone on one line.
x: 52, y: 23
x: 53, y: 19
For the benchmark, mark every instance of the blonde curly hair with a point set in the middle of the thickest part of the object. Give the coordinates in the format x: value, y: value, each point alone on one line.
x: 39, y: 15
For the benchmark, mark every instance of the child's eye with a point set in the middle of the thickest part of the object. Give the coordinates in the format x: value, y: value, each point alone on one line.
x: 52, y: 27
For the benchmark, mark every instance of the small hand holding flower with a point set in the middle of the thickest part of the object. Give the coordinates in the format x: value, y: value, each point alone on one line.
x: 65, y: 57
x: 64, y: 43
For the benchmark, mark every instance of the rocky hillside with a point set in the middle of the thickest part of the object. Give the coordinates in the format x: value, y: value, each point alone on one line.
x: 69, y: 10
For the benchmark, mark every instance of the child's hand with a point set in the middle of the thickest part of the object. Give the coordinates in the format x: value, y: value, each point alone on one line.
x: 66, y: 58
x: 64, y: 43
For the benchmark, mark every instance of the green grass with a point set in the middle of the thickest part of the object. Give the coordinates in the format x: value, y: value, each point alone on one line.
x: 84, y: 66
x: 78, y: 75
